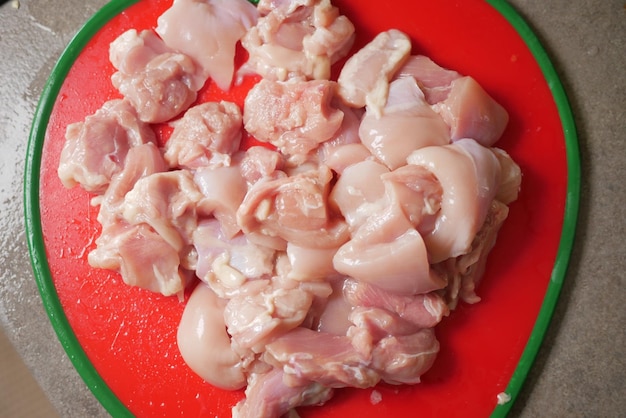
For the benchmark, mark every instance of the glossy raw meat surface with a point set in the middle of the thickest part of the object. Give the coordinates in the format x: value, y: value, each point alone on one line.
x: 129, y: 335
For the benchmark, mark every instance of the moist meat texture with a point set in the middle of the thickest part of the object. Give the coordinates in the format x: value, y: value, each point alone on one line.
x: 325, y: 255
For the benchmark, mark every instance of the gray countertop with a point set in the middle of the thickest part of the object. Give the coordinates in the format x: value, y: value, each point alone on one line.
x: 580, y: 367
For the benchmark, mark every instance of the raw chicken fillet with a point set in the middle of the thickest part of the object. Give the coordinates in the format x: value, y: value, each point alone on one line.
x: 325, y: 255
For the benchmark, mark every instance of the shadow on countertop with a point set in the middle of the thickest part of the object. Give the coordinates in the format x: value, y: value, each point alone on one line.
x: 20, y: 395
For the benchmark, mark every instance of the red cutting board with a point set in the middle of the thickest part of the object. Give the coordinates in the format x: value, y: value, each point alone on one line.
x: 123, y: 340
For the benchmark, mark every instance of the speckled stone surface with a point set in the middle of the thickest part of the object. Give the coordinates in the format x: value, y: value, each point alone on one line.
x: 580, y: 370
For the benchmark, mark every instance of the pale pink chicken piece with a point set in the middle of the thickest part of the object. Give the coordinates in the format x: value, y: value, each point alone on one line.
x: 223, y: 189
x: 159, y: 82
x: 465, y: 272
x: 260, y: 162
x: 274, y: 242
x: 332, y: 38
x: 341, y: 361
x: 168, y: 203
x: 267, y: 395
x: 310, y: 263
x: 297, y: 39
x: 348, y: 133
x: 229, y: 260
x: 129, y: 249
x: 387, y: 251
x: 423, y: 310
x: 403, y: 359
x: 383, y: 209
x: 417, y: 192
x: 331, y: 360
x: 378, y: 323
x: 141, y: 161
x: 359, y: 192
x: 510, y: 177
x: 345, y: 148
x: 293, y: 116
x: 95, y: 149
x: 470, y: 112
x: 207, y: 135
x: 364, y: 79
x: 284, y: 6
x: 401, y: 351
x: 341, y: 157
x: 162, y: 90
x: 132, y: 51
x: 204, y: 343
x: 469, y: 176
x: 434, y: 80
x: 407, y: 123
x: 208, y: 31
x: 333, y: 318
x: 295, y: 209
x: 257, y: 317
x: 320, y: 289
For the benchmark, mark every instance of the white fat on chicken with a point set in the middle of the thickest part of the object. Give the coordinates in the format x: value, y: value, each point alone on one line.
x: 128, y: 249
x: 364, y: 79
x: 208, y: 31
